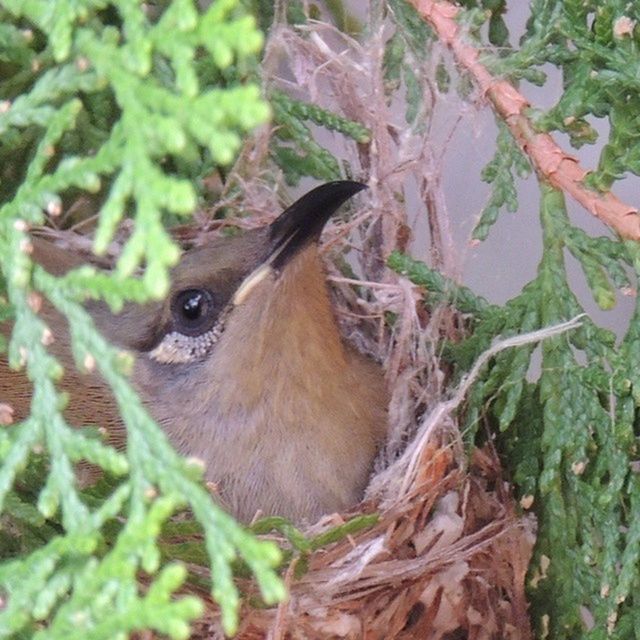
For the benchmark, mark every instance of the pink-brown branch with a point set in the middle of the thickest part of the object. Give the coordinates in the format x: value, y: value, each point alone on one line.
x: 560, y: 168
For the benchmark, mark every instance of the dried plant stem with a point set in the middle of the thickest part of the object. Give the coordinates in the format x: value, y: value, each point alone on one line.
x: 363, y: 283
x: 278, y: 631
x: 445, y: 409
x: 561, y: 169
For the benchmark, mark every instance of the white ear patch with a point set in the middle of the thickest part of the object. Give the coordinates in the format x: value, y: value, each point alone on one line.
x: 251, y: 281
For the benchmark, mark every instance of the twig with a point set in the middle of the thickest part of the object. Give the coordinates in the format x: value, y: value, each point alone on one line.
x: 279, y: 629
x: 445, y: 409
x: 561, y: 169
x: 363, y: 283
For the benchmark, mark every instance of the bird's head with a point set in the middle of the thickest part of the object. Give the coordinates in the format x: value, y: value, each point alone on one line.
x: 232, y: 280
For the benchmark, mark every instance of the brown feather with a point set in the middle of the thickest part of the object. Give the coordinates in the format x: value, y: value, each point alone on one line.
x: 286, y: 416
x: 90, y: 401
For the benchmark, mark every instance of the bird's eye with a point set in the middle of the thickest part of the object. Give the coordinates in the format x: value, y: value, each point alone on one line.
x: 194, y: 311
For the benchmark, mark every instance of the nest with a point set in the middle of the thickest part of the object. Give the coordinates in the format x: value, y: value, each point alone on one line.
x: 447, y: 559
x: 449, y: 553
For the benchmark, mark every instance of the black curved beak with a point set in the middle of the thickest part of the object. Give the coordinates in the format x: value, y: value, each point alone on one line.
x: 304, y: 220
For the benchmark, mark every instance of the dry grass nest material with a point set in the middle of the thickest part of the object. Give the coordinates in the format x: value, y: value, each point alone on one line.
x: 447, y: 559
x: 449, y: 554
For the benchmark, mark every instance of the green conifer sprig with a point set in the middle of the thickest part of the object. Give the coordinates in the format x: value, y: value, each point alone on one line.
x: 298, y: 154
x: 110, y: 75
x: 569, y: 437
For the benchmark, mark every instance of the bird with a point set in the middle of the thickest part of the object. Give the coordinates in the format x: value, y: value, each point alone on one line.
x: 243, y: 366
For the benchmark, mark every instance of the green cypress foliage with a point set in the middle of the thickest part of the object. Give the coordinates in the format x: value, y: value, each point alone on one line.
x: 568, y: 436
x: 101, y: 96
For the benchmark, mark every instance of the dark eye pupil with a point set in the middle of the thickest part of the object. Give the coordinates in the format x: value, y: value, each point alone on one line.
x: 192, y: 307
x: 194, y: 311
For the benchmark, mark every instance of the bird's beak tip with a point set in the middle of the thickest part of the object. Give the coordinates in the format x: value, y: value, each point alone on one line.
x: 304, y: 220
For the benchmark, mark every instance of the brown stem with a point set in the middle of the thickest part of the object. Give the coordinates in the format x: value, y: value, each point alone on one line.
x: 559, y: 168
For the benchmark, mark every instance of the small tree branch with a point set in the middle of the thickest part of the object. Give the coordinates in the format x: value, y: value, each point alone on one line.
x: 551, y: 162
x: 436, y: 417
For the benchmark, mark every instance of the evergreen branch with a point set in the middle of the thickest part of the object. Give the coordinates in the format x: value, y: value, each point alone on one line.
x: 499, y: 173
x: 560, y: 168
x: 154, y: 463
x: 439, y: 288
x: 116, y: 100
x: 307, y: 111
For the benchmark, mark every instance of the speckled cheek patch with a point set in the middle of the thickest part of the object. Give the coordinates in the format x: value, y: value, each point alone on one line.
x: 176, y: 348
